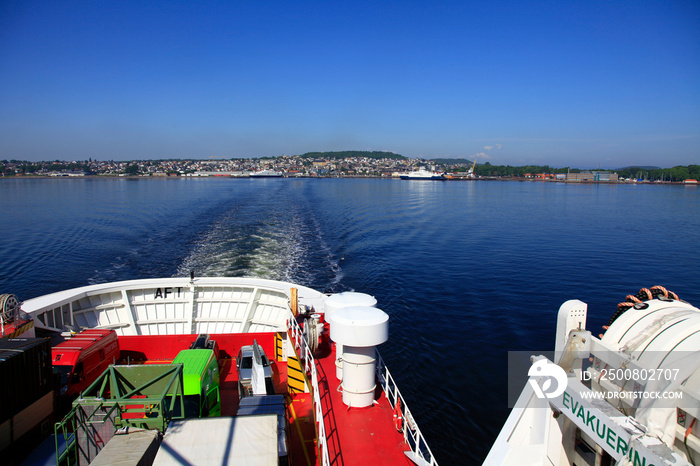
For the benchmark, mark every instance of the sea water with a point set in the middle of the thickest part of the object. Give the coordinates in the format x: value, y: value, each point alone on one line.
x: 467, y: 271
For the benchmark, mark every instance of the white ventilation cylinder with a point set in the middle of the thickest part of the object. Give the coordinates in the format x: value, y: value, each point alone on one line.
x: 340, y: 301
x: 347, y: 299
x: 359, y: 329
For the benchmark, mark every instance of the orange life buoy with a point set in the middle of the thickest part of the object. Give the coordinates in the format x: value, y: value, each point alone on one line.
x: 398, y: 418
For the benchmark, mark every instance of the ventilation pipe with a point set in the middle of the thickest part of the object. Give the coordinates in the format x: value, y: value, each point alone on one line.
x: 339, y: 301
x: 359, y: 330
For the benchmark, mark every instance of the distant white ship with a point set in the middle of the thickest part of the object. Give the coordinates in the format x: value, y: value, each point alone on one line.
x: 266, y: 174
x: 423, y: 174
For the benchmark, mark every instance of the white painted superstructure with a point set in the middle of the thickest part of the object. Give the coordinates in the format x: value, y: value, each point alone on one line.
x: 637, y: 404
x: 167, y: 306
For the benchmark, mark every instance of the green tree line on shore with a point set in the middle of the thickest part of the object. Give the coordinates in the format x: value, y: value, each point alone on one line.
x: 486, y: 169
x: 677, y: 173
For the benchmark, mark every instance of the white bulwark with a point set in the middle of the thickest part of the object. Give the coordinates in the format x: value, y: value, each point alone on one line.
x: 172, y: 306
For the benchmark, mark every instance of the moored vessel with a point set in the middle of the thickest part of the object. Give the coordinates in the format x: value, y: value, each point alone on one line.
x: 266, y: 174
x: 423, y: 174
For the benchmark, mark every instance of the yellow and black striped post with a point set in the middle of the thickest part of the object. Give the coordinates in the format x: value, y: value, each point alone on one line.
x: 21, y: 329
x: 296, y: 376
x: 279, y: 346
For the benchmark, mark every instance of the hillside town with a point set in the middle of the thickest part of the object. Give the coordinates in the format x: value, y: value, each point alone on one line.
x: 290, y: 166
x: 337, y: 164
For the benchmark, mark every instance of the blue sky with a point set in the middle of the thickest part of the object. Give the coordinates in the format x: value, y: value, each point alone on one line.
x: 563, y: 83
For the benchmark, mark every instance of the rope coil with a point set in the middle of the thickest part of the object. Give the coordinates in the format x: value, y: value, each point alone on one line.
x: 645, y: 294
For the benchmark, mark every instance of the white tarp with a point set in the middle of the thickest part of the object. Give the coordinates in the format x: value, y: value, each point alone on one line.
x: 249, y: 440
x: 137, y: 447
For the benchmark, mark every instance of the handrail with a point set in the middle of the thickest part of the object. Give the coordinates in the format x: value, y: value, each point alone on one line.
x: 83, y: 443
x: 411, y: 433
x: 300, y: 344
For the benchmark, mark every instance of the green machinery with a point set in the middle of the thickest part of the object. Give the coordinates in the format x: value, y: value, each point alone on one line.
x: 141, y: 397
x: 201, y: 382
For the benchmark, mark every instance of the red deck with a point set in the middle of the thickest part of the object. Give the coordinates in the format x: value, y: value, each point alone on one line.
x: 16, y: 328
x: 364, y: 436
x: 358, y: 436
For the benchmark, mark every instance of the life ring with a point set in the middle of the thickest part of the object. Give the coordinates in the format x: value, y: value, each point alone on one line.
x: 398, y: 418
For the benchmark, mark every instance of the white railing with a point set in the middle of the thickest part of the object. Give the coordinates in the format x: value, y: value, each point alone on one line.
x: 305, y: 355
x: 411, y: 433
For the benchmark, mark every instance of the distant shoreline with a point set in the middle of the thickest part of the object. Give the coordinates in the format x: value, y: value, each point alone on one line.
x: 520, y: 179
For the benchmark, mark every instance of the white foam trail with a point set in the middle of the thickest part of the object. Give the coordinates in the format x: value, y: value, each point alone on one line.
x: 286, y: 244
